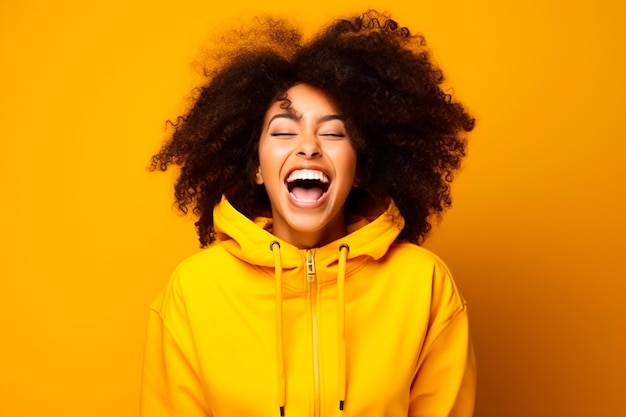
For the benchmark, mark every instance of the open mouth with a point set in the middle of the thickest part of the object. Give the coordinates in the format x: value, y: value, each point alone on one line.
x: 307, y: 185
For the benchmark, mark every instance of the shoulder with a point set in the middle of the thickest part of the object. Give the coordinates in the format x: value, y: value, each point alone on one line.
x: 411, y: 256
x: 199, y: 261
x: 197, y: 274
x: 419, y: 261
x: 212, y: 262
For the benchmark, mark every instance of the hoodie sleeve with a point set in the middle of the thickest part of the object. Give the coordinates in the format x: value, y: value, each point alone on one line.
x: 445, y: 382
x: 171, y: 386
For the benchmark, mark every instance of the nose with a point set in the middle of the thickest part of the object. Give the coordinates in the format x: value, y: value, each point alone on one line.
x: 308, y: 147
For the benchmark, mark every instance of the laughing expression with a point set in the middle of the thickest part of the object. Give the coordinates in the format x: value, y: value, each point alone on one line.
x: 307, y: 164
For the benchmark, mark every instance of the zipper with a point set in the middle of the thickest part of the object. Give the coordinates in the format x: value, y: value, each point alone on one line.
x: 311, y: 277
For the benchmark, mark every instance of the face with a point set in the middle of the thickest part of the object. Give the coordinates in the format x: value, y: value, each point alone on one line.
x: 307, y: 164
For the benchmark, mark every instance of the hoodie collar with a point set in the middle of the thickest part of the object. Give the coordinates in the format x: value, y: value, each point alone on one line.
x: 250, y: 240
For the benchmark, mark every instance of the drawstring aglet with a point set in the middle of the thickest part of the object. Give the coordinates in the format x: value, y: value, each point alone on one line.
x: 341, y: 405
x: 282, y: 411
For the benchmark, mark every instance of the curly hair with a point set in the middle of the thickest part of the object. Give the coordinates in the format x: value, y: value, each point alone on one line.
x: 408, y: 132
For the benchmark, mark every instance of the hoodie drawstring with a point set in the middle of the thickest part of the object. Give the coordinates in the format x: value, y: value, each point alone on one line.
x: 341, y: 322
x: 341, y: 325
x: 278, y: 271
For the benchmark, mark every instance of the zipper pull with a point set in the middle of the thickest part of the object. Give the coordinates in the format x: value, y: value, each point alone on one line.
x: 310, y: 266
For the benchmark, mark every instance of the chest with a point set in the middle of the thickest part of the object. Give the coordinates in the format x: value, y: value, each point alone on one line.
x: 237, y: 338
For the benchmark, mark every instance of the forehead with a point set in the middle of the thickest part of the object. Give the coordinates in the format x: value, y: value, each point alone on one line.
x: 303, y: 100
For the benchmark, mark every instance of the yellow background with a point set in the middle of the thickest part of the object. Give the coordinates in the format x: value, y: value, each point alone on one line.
x: 535, y: 238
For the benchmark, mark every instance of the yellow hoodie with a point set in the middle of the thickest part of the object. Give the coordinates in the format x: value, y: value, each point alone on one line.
x: 253, y: 326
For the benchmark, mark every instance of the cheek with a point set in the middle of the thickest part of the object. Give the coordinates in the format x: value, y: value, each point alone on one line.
x: 270, y: 160
x: 346, y: 161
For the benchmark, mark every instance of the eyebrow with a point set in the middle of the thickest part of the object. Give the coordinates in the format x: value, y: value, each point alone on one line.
x: 293, y: 116
x: 331, y: 117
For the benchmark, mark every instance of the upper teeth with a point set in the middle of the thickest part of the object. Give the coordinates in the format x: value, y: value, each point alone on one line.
x: 307, y: 174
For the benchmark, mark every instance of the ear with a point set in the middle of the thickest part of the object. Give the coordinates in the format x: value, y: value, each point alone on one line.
x: 258, y: 177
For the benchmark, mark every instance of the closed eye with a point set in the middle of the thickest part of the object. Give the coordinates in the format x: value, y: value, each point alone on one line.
x: 282, y: 134
x: 333, y: 135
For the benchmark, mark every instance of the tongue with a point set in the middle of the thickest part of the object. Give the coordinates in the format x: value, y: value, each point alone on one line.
x: 307, y: 194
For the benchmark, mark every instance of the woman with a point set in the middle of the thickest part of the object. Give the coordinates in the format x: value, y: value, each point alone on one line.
x: 315, y: 169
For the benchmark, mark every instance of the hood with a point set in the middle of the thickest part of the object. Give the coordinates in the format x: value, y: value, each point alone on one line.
x: 249, y: 240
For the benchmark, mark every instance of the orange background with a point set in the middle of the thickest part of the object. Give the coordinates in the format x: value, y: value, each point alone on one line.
x: 535, y: 238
